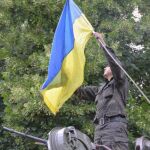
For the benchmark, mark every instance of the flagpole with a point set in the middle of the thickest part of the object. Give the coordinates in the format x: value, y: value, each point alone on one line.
x: 105, y: 48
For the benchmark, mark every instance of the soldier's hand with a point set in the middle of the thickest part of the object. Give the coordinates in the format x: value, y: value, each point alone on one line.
x: 100, y: 37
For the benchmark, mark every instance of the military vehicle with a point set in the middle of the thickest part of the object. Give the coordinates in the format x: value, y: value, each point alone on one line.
x: 69, y: 138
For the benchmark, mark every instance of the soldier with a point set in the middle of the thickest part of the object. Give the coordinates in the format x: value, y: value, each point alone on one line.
x: 110, y: 98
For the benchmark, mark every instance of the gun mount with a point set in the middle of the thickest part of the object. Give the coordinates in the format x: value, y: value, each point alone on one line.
x: 67, y: 138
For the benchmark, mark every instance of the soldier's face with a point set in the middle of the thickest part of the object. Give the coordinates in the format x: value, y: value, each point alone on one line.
x: 107, y: 72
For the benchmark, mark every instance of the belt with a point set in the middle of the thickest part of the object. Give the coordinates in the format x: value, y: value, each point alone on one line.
x: 105, y: 120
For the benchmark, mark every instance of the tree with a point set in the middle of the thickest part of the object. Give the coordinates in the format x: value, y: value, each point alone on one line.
x: 27, y: 29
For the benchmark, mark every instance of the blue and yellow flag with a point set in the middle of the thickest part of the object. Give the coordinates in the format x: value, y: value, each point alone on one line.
x: 67, y: 60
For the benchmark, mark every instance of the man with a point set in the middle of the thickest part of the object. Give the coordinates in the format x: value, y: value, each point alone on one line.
x: 110, y: 98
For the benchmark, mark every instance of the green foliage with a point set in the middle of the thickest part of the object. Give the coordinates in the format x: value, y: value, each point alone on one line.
x: 27, y: 29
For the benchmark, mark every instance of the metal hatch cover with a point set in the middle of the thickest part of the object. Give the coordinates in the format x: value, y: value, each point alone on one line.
x: 68, y: 138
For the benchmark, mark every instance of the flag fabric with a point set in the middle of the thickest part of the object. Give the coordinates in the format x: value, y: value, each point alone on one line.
x: 67, y: 59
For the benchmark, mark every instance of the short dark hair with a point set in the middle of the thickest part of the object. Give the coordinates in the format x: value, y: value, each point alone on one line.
x: 106, y: 65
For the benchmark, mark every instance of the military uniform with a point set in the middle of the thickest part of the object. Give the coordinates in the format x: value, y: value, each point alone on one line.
x: 110, y: 98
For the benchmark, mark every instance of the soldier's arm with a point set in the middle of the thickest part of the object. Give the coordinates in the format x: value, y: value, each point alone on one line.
x: 87, y: 92
x: 117, y: 72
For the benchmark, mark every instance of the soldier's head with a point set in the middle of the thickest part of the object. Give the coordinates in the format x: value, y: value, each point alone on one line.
x: 107, y: 72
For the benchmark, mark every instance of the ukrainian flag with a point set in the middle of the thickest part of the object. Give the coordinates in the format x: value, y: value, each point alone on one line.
x: 67, y: 60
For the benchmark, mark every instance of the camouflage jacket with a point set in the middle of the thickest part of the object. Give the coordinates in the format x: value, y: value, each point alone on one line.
x: 111, y: 96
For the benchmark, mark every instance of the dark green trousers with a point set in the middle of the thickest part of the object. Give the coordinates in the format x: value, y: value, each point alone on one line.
x: 113, y: 134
